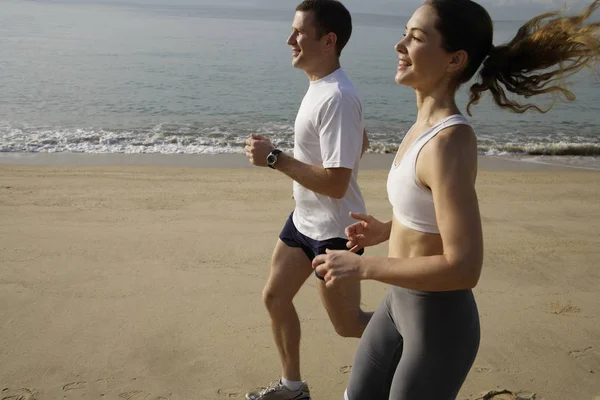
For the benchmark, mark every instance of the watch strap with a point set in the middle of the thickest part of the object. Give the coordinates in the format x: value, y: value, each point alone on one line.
x: 273, y: 155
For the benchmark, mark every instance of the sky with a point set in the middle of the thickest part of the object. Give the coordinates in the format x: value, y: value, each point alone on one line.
x: 499, y: 9
x: 519, y: 10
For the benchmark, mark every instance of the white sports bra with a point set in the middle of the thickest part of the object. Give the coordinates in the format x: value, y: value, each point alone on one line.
x: 412, y: 201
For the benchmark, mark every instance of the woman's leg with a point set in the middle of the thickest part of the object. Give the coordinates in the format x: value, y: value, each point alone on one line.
x: 441, y: 339
x: 376, y: 358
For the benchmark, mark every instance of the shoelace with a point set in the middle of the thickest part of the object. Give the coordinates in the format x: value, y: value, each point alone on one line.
x: 273, y: 387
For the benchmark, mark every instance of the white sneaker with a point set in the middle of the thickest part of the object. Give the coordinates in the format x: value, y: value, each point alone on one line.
x: 277, y: 391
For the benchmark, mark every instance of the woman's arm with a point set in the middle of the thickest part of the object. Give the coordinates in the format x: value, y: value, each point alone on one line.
x: 449, y: 167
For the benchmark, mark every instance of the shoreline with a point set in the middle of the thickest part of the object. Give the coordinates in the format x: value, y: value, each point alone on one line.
x: 370, y: 161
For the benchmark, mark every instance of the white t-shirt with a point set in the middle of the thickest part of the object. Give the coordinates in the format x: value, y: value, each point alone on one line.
x: 329, y: 133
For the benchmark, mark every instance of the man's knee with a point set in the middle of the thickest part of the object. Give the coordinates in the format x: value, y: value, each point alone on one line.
x: 275, y: 299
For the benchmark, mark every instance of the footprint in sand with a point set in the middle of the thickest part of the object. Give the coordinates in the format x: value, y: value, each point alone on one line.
x: 134, y: 395
x: 483, y: 369
x: 17, y: 394
x: 563, y: 308
x: 139, y: 395
x: 346, y: 369
x: 74, y: 386
x: 581, y: 353
x: 506, y: 395
x: 229, y: 393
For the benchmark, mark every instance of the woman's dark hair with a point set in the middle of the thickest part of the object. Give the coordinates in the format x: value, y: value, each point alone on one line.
x: 330, y: 16
x: 546, y: 50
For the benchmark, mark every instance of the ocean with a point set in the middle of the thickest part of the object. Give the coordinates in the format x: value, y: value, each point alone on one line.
x: 118, y: 77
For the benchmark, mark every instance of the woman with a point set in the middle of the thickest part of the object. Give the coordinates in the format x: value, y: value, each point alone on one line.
x: 423, y: 339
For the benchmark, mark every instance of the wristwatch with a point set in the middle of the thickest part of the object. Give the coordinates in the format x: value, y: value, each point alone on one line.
x: 272, y: 158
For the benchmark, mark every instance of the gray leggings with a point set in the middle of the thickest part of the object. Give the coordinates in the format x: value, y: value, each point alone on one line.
x: 417, y: 346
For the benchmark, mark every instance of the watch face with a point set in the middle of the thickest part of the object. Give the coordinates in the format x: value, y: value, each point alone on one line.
x: 271, y: 159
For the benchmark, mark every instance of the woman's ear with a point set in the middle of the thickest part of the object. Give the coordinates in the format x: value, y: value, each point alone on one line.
x: 458, y: 61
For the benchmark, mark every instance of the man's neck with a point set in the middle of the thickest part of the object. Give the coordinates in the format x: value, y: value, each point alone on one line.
x: 323, y: 70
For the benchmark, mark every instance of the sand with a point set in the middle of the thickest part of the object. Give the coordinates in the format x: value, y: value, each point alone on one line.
x: 144, y: 282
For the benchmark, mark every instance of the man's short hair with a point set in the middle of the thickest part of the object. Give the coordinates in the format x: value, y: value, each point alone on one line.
x: 330, y: 16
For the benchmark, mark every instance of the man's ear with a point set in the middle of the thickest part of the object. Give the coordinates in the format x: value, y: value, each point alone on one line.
x: 331, y: 41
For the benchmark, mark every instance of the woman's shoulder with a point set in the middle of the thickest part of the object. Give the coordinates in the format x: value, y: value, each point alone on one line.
x: 452, y: 151
x: 455, y: 139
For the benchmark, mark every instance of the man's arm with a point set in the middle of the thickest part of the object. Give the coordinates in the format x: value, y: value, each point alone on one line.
x: 332, y: 182
x: 338, y: 150
x: 365, y: 144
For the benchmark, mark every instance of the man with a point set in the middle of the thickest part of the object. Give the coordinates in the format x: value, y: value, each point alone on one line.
x: 329, y: 142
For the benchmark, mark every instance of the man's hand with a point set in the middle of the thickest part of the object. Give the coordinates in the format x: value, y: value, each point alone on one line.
x: 257, y: 149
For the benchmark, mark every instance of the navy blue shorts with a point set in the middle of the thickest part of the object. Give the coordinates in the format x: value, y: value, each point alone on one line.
x: 293, y: 238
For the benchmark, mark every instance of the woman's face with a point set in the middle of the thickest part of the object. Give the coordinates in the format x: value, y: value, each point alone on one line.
x: 423, y: 63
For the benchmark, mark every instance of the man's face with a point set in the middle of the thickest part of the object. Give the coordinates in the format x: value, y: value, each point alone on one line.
x: 308, y: 45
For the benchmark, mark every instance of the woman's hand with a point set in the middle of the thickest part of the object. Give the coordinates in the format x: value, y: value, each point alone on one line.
x: 367, y: 232
x: 337, y: 266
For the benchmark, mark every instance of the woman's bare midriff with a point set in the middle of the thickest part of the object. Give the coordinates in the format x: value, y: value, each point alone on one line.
x: 408, y: 243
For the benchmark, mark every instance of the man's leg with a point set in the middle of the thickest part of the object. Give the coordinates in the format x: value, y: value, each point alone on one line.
x: 290, y: 267
x: 342, y: 304
x: 343, y: 301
